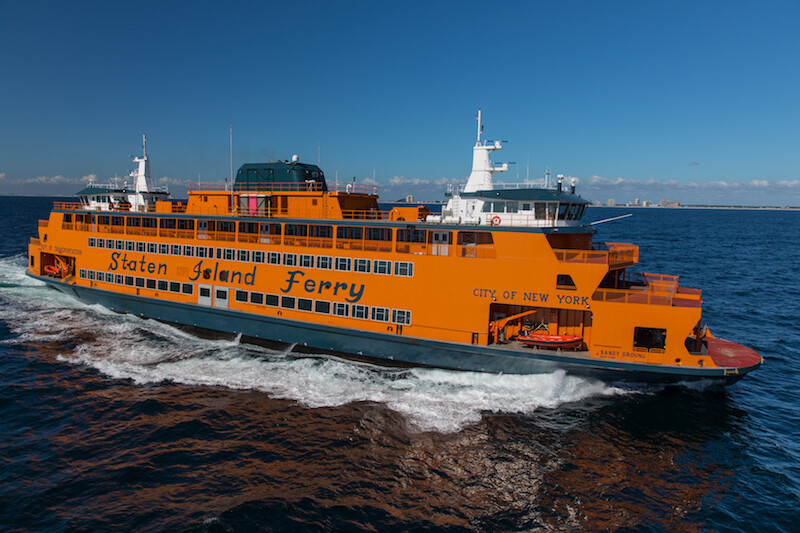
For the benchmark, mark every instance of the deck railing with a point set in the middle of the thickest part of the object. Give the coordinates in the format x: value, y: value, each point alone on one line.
x: 619, y: 254
x: 659, y: 289
x: 251, y: 188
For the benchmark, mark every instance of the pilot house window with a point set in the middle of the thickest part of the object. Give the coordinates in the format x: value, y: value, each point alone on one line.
x: 649, y: 338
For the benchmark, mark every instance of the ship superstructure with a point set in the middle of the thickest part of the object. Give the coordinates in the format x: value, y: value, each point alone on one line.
x: 504, y: 280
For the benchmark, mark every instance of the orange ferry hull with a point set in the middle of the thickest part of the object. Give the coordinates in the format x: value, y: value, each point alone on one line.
x: 391, y: 350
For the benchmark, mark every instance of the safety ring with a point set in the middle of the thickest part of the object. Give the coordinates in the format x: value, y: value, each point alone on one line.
x: 496, y: 221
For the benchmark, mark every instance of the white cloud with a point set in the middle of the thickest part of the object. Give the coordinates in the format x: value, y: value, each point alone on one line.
x: 166, y: 180
x: 370, y: 181
x: 448, y: 181
x: 397, y: 181
x: 50, y: 180
x: 2, y: 176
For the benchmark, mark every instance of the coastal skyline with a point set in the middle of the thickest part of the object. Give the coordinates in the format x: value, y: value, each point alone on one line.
x: 688, y: 102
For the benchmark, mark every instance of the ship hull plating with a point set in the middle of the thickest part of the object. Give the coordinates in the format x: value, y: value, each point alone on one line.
x: 389, y: 348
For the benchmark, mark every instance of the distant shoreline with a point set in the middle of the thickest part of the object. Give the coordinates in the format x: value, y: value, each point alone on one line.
x: 739, y: 207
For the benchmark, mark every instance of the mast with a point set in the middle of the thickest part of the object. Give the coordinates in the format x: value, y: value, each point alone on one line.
x: 482, y: 170
x: 233, y: 210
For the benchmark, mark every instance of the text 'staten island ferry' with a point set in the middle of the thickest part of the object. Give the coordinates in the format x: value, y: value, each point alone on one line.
x: 503, y: 280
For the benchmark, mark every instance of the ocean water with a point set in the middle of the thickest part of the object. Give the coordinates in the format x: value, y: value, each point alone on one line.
x: 112, y: 422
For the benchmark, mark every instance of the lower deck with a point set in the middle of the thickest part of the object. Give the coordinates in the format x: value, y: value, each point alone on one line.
x: 390, y: 348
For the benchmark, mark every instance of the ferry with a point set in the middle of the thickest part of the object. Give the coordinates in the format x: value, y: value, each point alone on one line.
x: 505, y: 279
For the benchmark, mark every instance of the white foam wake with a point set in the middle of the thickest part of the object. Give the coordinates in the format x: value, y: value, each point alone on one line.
x: 145, y: 351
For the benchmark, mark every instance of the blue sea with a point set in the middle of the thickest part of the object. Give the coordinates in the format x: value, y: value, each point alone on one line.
x: 111, y: 422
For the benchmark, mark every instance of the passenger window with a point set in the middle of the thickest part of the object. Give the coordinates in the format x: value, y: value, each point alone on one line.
x: 649, y: 338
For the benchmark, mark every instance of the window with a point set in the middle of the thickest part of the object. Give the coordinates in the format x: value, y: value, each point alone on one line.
x: 324, y: 262
x: 243, y: 255
x: 360, y: 311
x: 649, y: 338
x: 383, y: 267
x: 151, y: 284
x: 306, y: 261
x: 91, y: 275
x: 188, y: 251
x: 205, y: 292
x: 140, y: 282
x: 290, y: 260
x: 174, y: 286
x: 271, y: 299
x: 320, y: 232
x: 91, y: 242
x: 167, y: 223
x: 399, y: 316
x: 175, y: 249
x: 273, y: 258
x: 248, y: 227
x: 343, y: 264
x: 82, y: 273
x: 226, y: 226
x: 152, y: 248
x: 110, y: 244
x: 163, y: 249
x: 304, y: 304
x: 163, y: 285
x: 287, y: 302
x: 296, y: 230
x: 118, y: 278
x: 242, y: 296
x: 411, y: 235
x: 403, y: 268
x: 361, y: 265
x: 120, y: 245
x: 258, y: 256
x: 256, y: 298
x: 141, y: 247
x: 228, y: 254
x: 564, y: 281
x: 381, y: 314
x: 378, y: 234
x: 322, y: 307
x: 130, y: 246
x: 187, y: 288
x: 341, y: 309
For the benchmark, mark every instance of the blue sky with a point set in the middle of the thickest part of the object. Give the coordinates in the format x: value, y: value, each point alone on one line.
x: 688, y: 101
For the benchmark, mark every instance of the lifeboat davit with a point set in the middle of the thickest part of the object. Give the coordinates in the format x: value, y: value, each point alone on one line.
x: 545, y: 340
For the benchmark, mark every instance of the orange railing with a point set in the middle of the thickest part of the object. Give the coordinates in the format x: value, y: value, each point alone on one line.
x: 582, y: 256
x: 268, y: 187
x: 619, y: 254
x: 659, y: 289
x: 622, y: 253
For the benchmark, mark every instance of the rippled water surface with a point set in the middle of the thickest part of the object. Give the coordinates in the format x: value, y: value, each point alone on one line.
x: 114, y: 422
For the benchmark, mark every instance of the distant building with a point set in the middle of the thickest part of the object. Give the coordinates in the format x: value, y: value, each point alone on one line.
x: 611, y: 202
x: 667, y: 203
